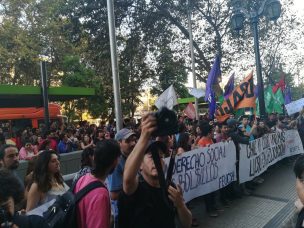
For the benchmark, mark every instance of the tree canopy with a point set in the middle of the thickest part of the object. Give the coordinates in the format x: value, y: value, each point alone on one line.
x: 152, y: 41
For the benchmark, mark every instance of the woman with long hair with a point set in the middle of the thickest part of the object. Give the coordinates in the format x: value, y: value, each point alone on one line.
x: 183, y: 143
x: 47, y: 180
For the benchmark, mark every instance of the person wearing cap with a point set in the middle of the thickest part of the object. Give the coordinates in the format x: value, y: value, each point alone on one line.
x: 142, y: 203
x: 127, y: 140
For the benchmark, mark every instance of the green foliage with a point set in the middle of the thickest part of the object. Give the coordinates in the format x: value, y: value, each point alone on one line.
x: 76, y: 74
x: 170, y: 72
x: 153, y: 47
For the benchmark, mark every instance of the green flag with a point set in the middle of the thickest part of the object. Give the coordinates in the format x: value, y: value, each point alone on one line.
x: 268, y: 96
x: 273, y: 102
x: 278, y: 101
x: 221, y: 99
x: 257, y: 107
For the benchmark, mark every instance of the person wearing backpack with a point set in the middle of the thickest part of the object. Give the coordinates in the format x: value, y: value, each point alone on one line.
x: 94, y: 209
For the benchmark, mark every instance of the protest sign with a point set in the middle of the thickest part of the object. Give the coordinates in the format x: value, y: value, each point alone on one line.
x: 263, y: 152
x: 295, y: 106
x: 205, y: 170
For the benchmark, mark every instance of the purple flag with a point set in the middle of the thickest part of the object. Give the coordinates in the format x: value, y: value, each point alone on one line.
x: 212, y: 80
x: 214, y: 73
x: 256, y: 91
x: 212, y: 106
x: 287, y: 95
x: 229, y: 87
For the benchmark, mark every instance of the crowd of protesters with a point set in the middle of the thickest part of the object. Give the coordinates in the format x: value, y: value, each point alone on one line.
x: 64, y: 139
x: 123, y: 162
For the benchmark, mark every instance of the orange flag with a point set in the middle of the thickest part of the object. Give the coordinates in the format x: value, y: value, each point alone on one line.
x: 241, y: 97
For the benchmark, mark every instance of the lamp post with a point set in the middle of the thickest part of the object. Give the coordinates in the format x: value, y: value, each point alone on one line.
x: 272, y: 10
x: 44, y: 87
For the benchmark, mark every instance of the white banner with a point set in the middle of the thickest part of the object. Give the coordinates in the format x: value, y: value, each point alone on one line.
x: 295, y: 106
x: 261, y: 153
x: 168, y: 99
x: 205, y: 170
x: 198, y: 93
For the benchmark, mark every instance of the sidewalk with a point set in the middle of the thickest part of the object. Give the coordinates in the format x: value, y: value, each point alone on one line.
x: 270, y: 206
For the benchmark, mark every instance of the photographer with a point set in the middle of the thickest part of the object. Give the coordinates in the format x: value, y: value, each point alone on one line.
x: 11, y: 193
x: 142, y: 203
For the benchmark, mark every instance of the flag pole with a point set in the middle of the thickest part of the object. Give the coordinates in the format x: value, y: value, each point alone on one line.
x: 192, y: 59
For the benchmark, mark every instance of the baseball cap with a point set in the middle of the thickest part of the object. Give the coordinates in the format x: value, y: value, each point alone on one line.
x: 123, y: 134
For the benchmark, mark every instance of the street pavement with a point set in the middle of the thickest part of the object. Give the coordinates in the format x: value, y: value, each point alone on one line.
x: 270, y: 206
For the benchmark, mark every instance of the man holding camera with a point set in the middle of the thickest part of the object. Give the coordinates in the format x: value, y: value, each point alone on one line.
x: 142, y: 203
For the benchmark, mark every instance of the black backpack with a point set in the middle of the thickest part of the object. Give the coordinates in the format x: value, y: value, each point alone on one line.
x: 62, y: 213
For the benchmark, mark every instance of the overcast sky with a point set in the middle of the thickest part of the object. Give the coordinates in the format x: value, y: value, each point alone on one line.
x: 299, y: 5
x: 299, y: 9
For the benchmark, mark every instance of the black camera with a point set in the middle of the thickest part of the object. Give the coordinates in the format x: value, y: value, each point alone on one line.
x: 5, y: 218
x: 167, y: 123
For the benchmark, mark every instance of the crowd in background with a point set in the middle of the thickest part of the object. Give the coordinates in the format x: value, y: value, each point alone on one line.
x: 73, y: 137
x: 43, y: 148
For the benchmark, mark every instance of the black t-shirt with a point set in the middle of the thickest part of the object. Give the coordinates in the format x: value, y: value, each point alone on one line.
x: 145, y: 208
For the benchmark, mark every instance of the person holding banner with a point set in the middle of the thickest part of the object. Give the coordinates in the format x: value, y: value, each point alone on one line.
x: 223, y: 137
x: 237, y: 137
x: 142, y: 203
x: 261, y: 129
x: 246, y: 129
x: 206, y: 140
x: 206, y: 135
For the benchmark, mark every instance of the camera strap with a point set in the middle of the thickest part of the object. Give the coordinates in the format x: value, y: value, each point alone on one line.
x: 164, y: 184
x: 170, y: 168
